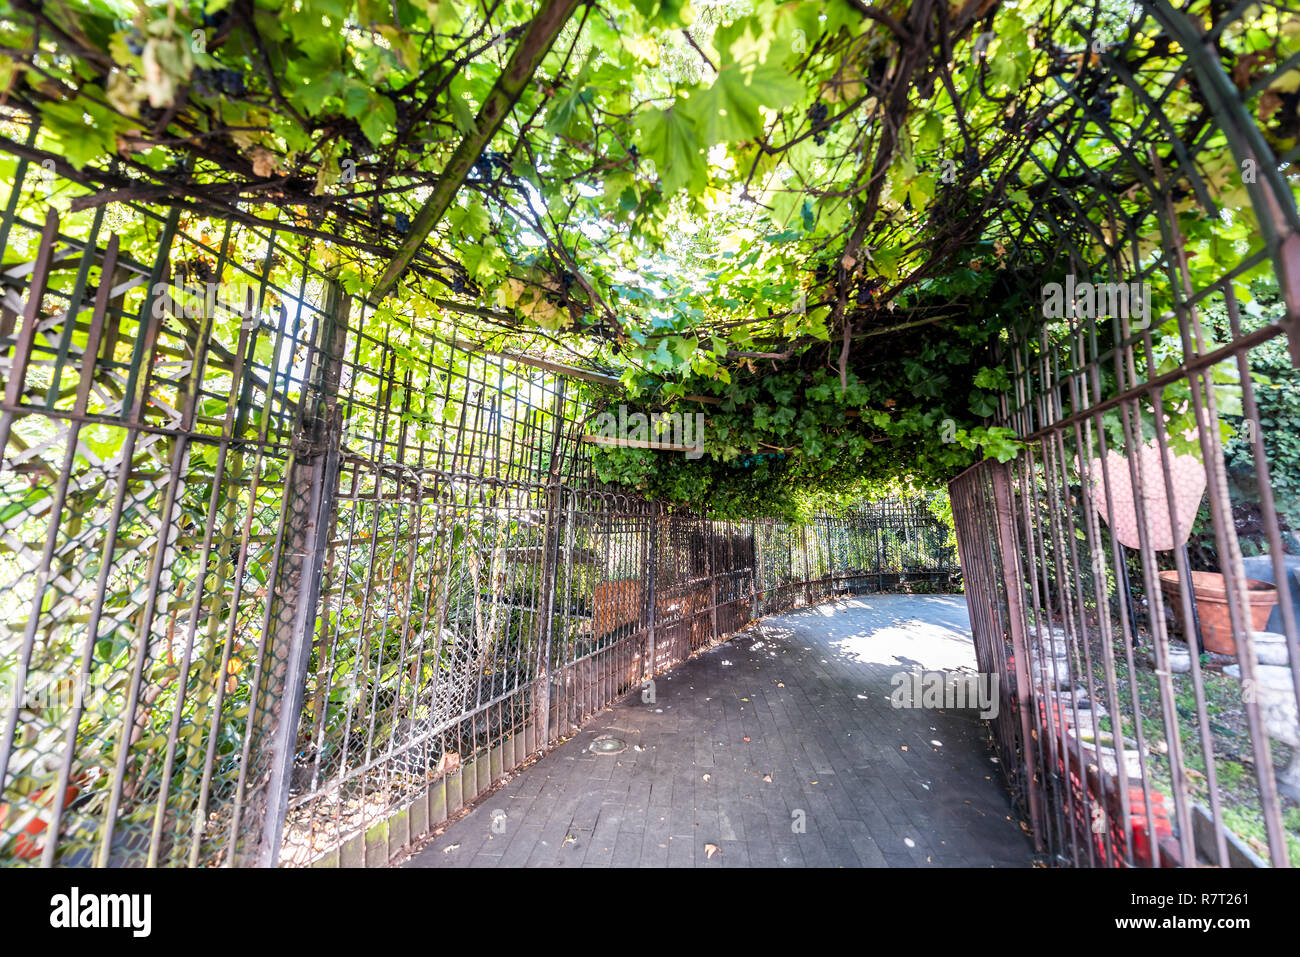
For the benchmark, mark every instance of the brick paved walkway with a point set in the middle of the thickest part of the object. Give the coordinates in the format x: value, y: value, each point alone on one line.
x: 790, y: 721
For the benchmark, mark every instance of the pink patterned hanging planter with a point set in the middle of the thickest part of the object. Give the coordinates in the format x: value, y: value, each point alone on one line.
x: 1188, y: 477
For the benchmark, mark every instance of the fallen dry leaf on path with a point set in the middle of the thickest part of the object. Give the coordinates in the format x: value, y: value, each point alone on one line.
x: 449, y: 761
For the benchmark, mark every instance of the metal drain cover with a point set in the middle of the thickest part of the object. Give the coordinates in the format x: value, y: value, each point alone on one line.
x: 609, y: 745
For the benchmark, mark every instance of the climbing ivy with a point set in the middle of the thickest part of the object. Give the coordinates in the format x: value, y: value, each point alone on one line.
x: 781, y: 435
x: 811, y: 211
x: 1277, y: 396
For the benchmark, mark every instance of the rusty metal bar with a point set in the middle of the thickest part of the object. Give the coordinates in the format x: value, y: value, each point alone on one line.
x: 313, y: 477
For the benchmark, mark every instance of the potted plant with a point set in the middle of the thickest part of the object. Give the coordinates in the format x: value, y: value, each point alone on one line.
x: 1210, y: 592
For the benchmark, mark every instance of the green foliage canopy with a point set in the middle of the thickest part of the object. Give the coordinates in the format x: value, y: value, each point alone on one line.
x: 824, y: 217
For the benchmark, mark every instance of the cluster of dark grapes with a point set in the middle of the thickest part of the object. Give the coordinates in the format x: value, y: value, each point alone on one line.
x: 382, y: 216
x: 401, y: 109
x: 216, y: 20
x: 359, y: 142
x: 1287, y: 119
x: 135, y: 41
x: 210, y: 82
x: 867, y: 290
x: 876, y: 70
x: 197, y: 269
x: 567, y: 279
x: 817, y: 113
x: 486, y: 161
x: 1099, y: 106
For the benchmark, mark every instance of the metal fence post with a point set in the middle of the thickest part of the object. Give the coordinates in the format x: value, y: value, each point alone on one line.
x: 803, y: 543
x: 754, y: 572
x: 309, y: 503
x: 550, y: 558
x: 651, y: 561
x: 1009, y: 553
x: 713, y: 580
x: 880, y: 571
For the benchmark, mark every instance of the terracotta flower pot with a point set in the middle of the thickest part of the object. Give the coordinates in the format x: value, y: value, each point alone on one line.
x: 1210, y: 592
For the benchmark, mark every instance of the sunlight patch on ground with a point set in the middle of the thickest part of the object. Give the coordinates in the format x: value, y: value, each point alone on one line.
x: 915, y: 642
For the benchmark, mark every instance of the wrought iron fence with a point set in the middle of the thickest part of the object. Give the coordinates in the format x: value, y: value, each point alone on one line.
x: 281, y: 588
x: 1149, y: 706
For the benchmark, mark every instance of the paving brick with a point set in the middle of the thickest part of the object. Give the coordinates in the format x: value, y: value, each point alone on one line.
x: 520, y: 847
x: 813, y: 711
x: 654, y: 850
x: 627, y: 849
x: 681, y: 852
x: 788, y: 855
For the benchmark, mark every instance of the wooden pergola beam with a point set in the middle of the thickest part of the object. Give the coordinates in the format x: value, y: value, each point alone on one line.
x: 637, y: 443
x: 527, y: 57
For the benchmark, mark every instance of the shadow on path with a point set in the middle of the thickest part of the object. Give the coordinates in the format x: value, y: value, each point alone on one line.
x: 779, y: 747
